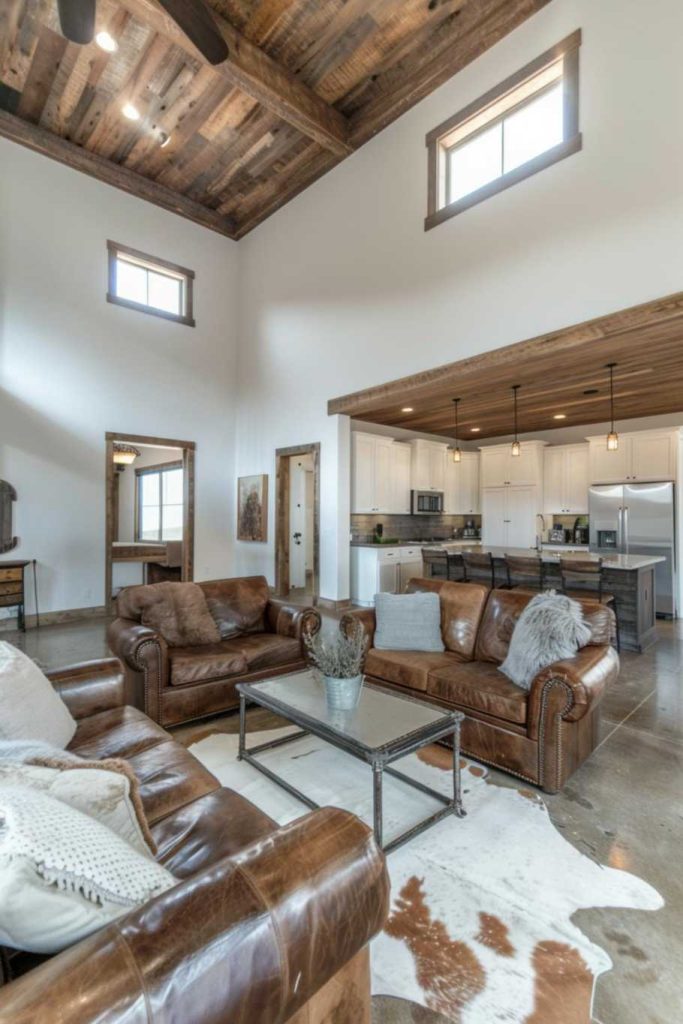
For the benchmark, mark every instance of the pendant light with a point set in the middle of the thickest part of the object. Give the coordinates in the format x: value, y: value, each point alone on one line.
x: 612, y: 437
x: 457, y: 454
x: 516, y: 447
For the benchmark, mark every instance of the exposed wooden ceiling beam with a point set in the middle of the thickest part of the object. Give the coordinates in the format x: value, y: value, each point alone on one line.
x: 42, y: 141
x: 255, y: 73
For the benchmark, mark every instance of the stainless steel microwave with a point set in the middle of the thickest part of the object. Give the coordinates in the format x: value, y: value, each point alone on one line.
x: 426, y: 503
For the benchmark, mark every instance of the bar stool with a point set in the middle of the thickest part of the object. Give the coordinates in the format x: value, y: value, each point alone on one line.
x: 582, y: 577
x: 456, y: 567
x: 523, y: 572
x: 435, y: 564
x: 481, y: 562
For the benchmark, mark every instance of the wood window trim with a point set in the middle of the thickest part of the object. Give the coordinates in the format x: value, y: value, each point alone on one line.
x: 160, y: 467
x: 568, y: 50
x: 115, y: 249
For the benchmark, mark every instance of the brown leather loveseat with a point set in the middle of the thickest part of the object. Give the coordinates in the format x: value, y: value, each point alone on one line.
x: 257, y: 637
x: 542, y: 735
x: 267, y: 925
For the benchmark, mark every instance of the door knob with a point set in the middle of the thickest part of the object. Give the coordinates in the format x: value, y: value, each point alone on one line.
x: 297, y: 538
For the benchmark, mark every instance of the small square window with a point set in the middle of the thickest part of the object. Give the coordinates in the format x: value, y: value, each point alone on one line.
x: 150, y: 285
x: 527, y: 123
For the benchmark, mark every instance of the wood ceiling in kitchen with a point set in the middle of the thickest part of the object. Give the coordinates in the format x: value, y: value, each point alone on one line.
x: 306, y: 83
x: 555, y: 372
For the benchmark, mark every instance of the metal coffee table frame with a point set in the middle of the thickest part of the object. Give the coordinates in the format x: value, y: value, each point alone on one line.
x: 378, y: 757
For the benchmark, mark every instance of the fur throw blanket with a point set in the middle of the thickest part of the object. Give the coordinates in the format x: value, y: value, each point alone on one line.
x: 550, y: 628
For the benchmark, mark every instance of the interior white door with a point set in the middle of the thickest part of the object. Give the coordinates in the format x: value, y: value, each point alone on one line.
x: 297, y: 522
x: 493, y: 516
x: 521, y: 517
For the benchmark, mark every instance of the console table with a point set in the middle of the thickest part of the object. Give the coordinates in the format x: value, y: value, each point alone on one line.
x: 12, y: 588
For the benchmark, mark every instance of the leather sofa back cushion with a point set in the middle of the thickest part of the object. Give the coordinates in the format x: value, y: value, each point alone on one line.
x: 178, y: 611
x: 504, y: 608
x: 462, y: 606
x: 238, y: 606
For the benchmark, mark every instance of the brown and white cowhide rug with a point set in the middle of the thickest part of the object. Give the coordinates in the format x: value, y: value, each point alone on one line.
x: 480, y: 926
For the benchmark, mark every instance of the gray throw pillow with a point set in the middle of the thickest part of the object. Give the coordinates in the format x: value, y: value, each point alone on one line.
x: 550, y: 628
x: 408, y: 622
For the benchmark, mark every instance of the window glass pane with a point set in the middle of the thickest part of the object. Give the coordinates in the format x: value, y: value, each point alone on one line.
x: 475, y: 163
x: 150, y: 488
x: 164, y: 293
x: 149, y: 522
x: 173, y: 522
x: 534, y: 128
x: 172, y: 487
x: 131, y: 282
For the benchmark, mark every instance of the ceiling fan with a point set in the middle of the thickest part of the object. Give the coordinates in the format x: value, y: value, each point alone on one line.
x: 77, y: 19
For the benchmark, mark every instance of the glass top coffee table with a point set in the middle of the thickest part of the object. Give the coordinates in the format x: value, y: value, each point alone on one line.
x: 385, y: 727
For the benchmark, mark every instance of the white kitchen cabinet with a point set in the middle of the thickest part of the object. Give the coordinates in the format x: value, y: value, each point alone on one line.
x: 500, y: 468
x: 565, y: 479
x: 371, y: 473
x: 648, y: 455
x: 376, y: 570
x: 400, y: 456
x: 494, y: 516
x: 462, y: 484
x: 508, y: 516
x: 494, y: 466
x: 428, y: 471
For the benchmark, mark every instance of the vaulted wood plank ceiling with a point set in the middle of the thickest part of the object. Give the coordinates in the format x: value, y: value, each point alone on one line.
x: 561, y: 373
x: 306, y: 83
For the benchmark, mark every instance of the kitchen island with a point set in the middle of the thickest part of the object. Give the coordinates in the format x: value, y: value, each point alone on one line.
x: 630, y: 578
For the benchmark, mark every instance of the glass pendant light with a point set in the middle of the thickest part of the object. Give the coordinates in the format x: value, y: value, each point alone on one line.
x: 612, y: 437
x: 457, y: 454
x: 516, y: 447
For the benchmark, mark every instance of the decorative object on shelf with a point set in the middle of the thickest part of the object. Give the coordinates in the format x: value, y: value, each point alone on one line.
x: 252, y: 508
x: 339, y: 660
x: 612, y: 437
x: 457, y: 454
x: 516, y: 448
x: 124, y: 455
x: 7, y: 495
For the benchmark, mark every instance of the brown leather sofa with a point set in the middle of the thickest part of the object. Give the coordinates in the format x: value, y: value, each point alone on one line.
x: 542, y: 735
x: 267, y: 925
x: 261, y: 637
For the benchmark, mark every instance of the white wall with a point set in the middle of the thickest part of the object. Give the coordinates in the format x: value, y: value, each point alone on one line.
x: 342, y: 289
x: 73, y: 366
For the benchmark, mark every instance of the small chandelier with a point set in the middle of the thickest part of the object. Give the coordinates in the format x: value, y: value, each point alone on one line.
x: 457, y: 454
x: 612, y: 437
x: 516, y: 447
x: 125, y: 454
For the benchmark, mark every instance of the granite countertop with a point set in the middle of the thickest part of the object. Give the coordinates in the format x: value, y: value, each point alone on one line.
x: 416, y: 544
x: 616, y: 561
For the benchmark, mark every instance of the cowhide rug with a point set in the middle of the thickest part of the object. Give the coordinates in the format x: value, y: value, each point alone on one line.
x: 480, y: 926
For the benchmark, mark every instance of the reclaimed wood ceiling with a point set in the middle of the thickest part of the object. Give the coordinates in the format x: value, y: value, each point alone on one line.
x: 563, y: 372
x: 306, y: 83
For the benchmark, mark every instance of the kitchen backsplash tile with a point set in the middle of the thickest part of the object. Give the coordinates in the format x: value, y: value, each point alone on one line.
x: 409, y: 527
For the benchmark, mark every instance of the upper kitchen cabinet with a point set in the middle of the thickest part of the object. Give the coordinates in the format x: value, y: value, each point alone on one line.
x: 462, y: 484
x: 499, y: 468
x: 428, y: 471
x: 400, y: 462
x: 371, y: 485
x: 565, y: 479
x: 647, y: 455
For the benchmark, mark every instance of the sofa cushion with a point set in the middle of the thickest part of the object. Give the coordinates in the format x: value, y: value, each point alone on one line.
x: 405, y: 668
x: 30, y: 709
x: 462, y: 606
x: 216, y: 825
x: 238, y: 606
x: 177, y: 611
x: 267, y: 650
x: 203, y: 664
x: 170, y: 778
x: 408, y: 622
x: 478, y: 686
x: 118, y: 732
x: 503, y: 608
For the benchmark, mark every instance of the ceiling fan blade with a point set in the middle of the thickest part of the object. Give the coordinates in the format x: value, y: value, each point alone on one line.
x: 77, y: 19
x: 196, y: 21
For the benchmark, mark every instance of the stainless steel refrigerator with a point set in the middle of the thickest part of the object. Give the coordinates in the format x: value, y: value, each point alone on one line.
x: 637, y: 519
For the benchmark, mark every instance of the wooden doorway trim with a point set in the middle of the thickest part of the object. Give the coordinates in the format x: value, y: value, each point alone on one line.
x: 188, y: 450
x: 282, y: 479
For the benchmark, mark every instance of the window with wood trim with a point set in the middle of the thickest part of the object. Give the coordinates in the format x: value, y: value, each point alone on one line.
x: 528, y: 122
x: 149, y: 284
x: 159, y: 502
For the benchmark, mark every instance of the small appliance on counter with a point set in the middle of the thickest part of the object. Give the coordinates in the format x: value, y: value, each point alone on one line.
x: 581, y: 530
x: 558, y: 535
x: 470, y: 531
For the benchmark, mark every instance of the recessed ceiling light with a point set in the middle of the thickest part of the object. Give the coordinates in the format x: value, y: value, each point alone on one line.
x: 591, y: 391
x: 560, y: 416
x: 165, y: 139
x: 106, y: 42
x: 131, y: 112
x: 407, y: 408
x: 475, y: 430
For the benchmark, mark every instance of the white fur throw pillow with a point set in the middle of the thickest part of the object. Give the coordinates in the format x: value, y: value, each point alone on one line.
x: 30, y: 708
x: 550, y: 628
x: 63, y: 874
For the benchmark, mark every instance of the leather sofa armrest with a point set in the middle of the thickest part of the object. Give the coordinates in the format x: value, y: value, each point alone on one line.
x: 90, y: 686
x: 290, y: 620
x: 363, y: 616
x: 569, y: 688
x: 250, y: 939
x: 144, y: 654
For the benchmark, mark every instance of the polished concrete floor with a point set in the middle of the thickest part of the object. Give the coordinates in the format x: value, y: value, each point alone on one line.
x: 624, y: 807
